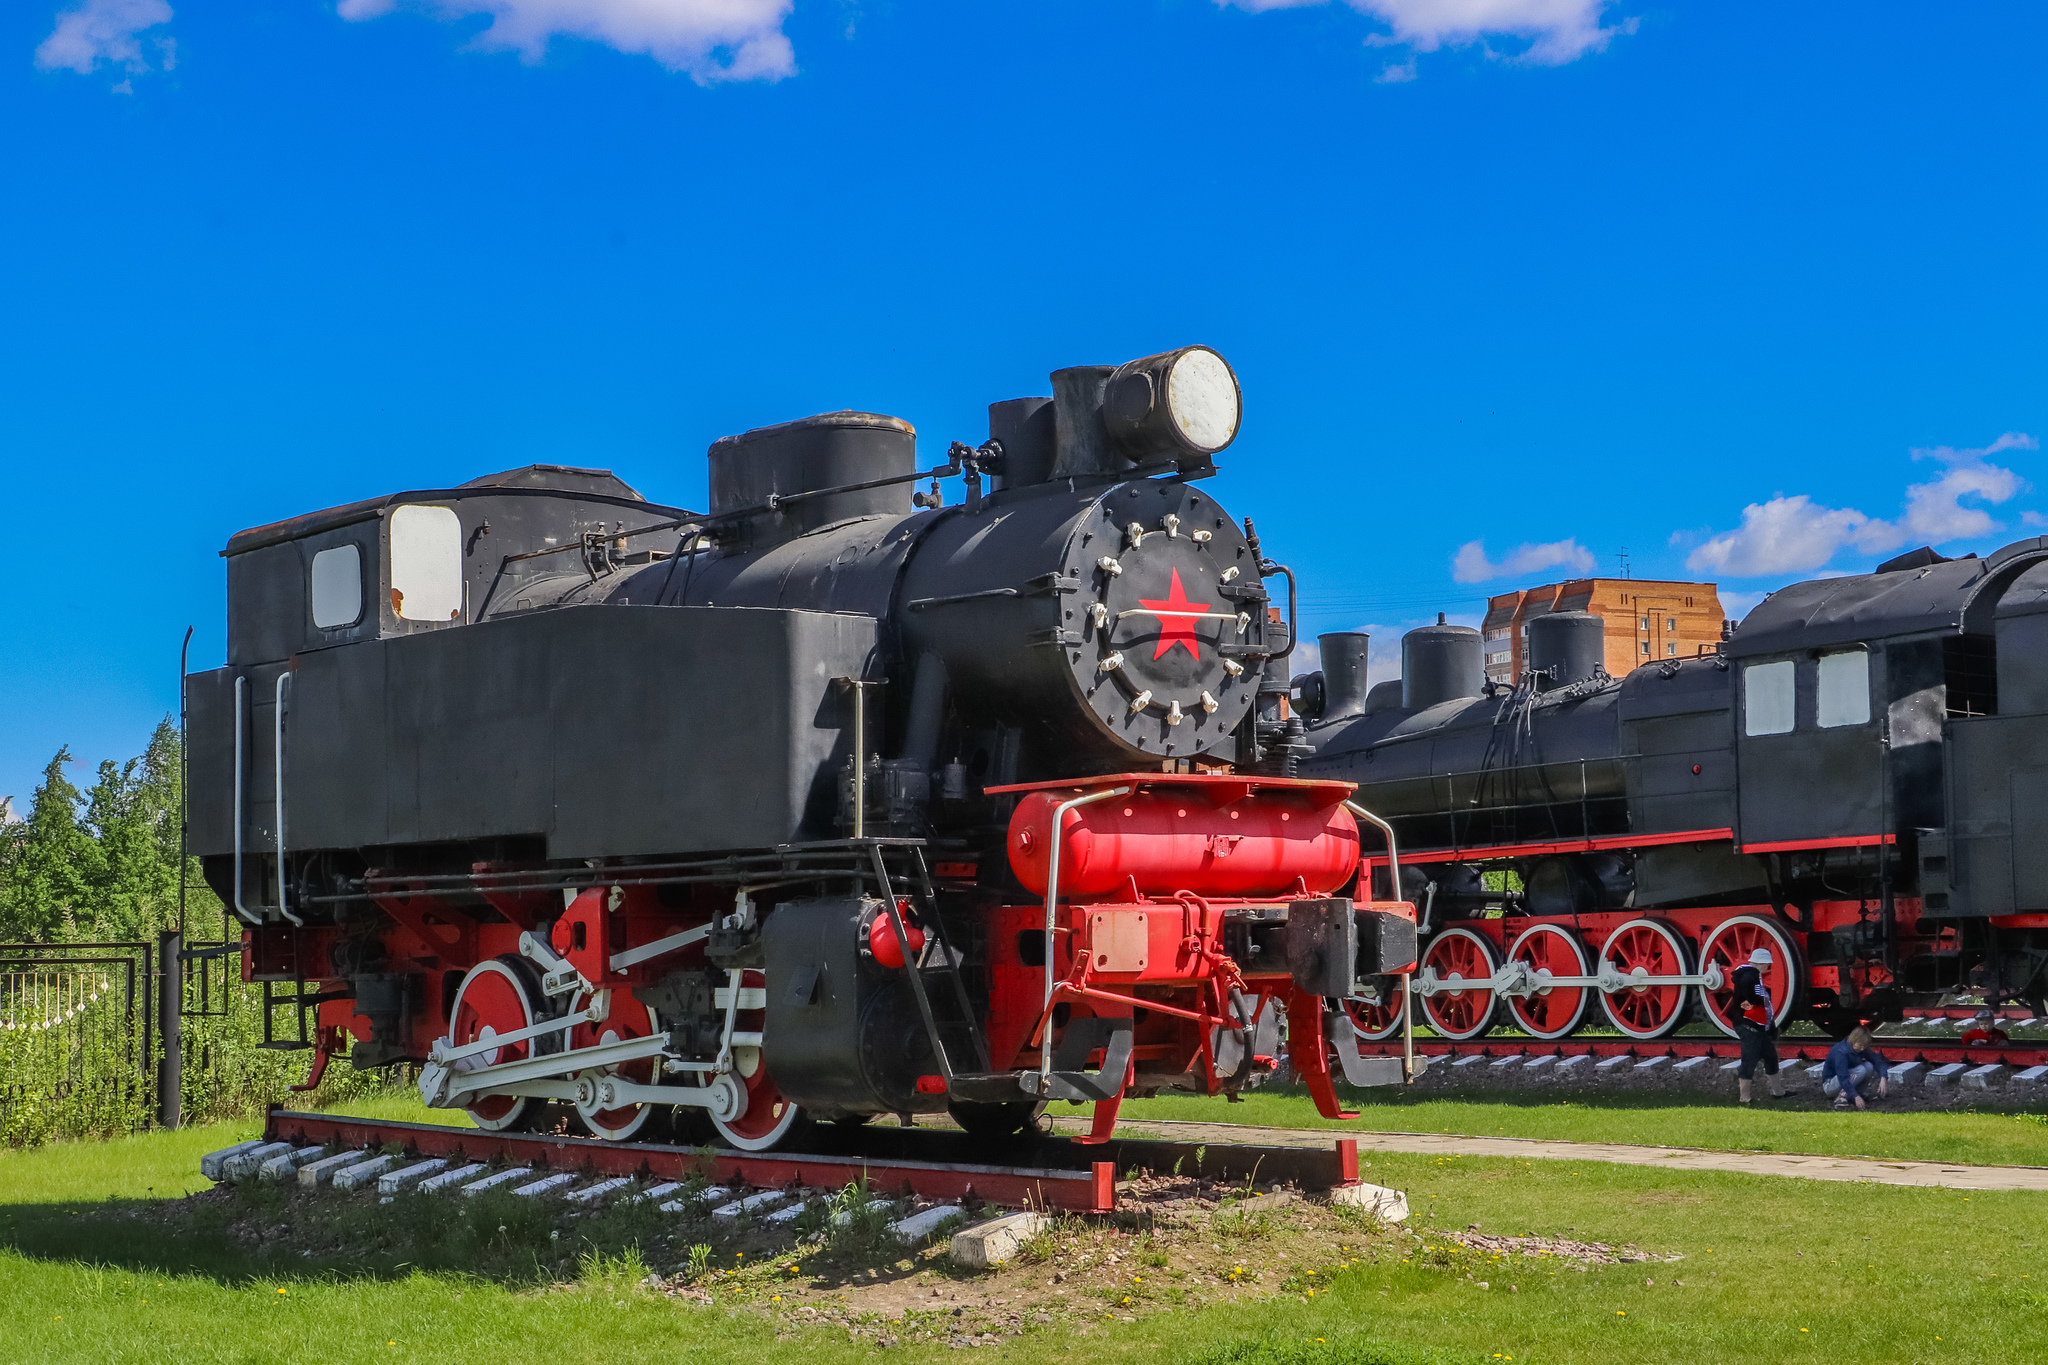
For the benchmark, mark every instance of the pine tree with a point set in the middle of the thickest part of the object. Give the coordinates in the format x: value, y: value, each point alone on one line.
x: 47, y: 863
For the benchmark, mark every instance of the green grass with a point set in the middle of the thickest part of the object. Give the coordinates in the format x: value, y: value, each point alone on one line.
x: 1981, y: 1136
x: 1873, y: 1273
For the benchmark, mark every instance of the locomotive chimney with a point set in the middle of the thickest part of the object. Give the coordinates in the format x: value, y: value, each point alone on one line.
x: 1440, y: 663
x: 1344, y: 680
x: 1082, y: 445
x: 1568, y: 646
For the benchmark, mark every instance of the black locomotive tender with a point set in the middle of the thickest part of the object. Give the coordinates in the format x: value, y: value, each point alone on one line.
x: 481, y: 754
x: 1856, y: 779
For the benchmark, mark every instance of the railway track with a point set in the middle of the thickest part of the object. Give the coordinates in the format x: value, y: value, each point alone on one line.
x: 1914, y: 1059
x: 1044, y: 1172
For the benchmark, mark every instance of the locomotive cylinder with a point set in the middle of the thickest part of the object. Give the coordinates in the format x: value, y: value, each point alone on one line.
x: 1170, y: 841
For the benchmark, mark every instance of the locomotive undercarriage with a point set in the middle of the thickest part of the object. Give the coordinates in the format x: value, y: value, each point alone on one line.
x: 1500, y: 951
x: 736, y: 1000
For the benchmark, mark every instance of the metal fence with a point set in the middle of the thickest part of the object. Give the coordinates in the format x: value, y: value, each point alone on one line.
x: 78, y: 1037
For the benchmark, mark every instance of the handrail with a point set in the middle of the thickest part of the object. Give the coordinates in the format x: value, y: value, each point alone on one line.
x: 1394, y: 877
x: 241, y: 807
x: 277, y: 756
x: 1052, y: 897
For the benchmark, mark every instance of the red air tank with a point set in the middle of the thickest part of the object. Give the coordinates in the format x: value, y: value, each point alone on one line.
x: 1214, y: 835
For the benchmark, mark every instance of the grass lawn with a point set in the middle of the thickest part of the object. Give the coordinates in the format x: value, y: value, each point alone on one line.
x: 1774, y: 1270
x: 1985, y: 1136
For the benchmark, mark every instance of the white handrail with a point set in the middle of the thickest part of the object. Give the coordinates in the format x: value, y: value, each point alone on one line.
x: 1052, y: 896
x: 278, y: 757
x: 1394, y: 877
x: 241, y: 806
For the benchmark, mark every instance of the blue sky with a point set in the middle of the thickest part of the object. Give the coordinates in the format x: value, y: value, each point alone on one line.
x: 1510, y: 284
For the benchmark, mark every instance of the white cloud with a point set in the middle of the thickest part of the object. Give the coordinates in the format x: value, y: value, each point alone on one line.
x: 107, y: 31
x: 1554, y: 31
x: 1798, y: 535
x: 1470, y: 564
x: 712, y: 40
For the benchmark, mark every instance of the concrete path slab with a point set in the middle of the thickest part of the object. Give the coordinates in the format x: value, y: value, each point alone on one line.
x: 1806, y: 1167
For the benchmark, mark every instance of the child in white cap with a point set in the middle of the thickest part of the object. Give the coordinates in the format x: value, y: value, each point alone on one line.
x: 1756, y: 1025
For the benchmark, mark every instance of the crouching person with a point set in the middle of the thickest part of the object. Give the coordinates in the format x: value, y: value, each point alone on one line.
x: 1850, y: 1066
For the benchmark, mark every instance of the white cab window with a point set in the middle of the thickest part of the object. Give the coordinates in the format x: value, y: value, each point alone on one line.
x: 1844, y: 694
x: 337, y: 587
x: 426, y: 563
x: 1767, y: 698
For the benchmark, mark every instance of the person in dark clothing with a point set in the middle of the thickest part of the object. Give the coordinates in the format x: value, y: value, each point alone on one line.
x: 1756, y: 1025
x: 1850, y: 1065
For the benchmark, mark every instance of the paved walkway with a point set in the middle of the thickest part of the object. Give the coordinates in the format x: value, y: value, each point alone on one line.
x: 1674, y: 1158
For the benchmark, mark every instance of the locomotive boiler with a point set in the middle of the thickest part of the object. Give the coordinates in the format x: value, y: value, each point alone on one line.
x: 1853, y: 780
x: 824, y: 803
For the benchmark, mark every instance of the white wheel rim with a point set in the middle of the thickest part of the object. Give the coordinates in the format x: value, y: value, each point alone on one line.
x: 764, y: 1141
x: 1782, y: 949
x: 1677, y: 1016
x: 493, y: 967
x: 1544, y: 975
x: 589, y: 1112
x: 1492, y: 1001
x: 1394, y: 1021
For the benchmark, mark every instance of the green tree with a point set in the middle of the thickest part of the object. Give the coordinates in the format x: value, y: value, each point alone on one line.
x: 102, y: 864
x: 48, y: 862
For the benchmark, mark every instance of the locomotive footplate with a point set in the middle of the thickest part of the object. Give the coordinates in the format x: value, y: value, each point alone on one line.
x: 1030, y: 1171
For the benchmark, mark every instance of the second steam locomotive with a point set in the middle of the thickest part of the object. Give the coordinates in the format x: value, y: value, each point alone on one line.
x: 1853, y: 780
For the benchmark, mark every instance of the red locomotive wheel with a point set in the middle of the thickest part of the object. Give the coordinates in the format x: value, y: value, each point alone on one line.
x: 769, y: 1118
x: 1729, y: 946
x: 493, y: 999
x: 1463, y: 1004
x: 1375, y: 1021
x: 626, y: 1017
x: 1645, y: 948
x: 1552, y: 1011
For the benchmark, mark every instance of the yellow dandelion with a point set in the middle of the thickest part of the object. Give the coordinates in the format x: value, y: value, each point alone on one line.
x: 1621, y: 1312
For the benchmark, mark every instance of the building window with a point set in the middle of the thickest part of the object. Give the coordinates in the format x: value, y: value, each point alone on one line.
x: 1671, y: 623
x: 1642, y: 623
x: 1671, y: 651
x: 1646, y: 649
x: 1844, y: 691
x: 1767, y: 698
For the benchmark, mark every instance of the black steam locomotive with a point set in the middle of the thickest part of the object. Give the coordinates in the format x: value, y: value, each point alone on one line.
x: 1856, y: 780
x: 587, y: 803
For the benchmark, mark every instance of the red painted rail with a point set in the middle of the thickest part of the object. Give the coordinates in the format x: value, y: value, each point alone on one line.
x: 1931, y: 1051
x: 1085, y: 1183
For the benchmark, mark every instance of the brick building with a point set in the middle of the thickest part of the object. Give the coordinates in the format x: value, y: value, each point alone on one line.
x: 1646, y: 620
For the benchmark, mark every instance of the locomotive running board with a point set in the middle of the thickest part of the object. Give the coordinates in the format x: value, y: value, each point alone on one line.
x: 1063, y: 1175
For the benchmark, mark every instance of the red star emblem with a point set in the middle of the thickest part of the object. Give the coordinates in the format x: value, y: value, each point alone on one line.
x: 1176, y: 630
